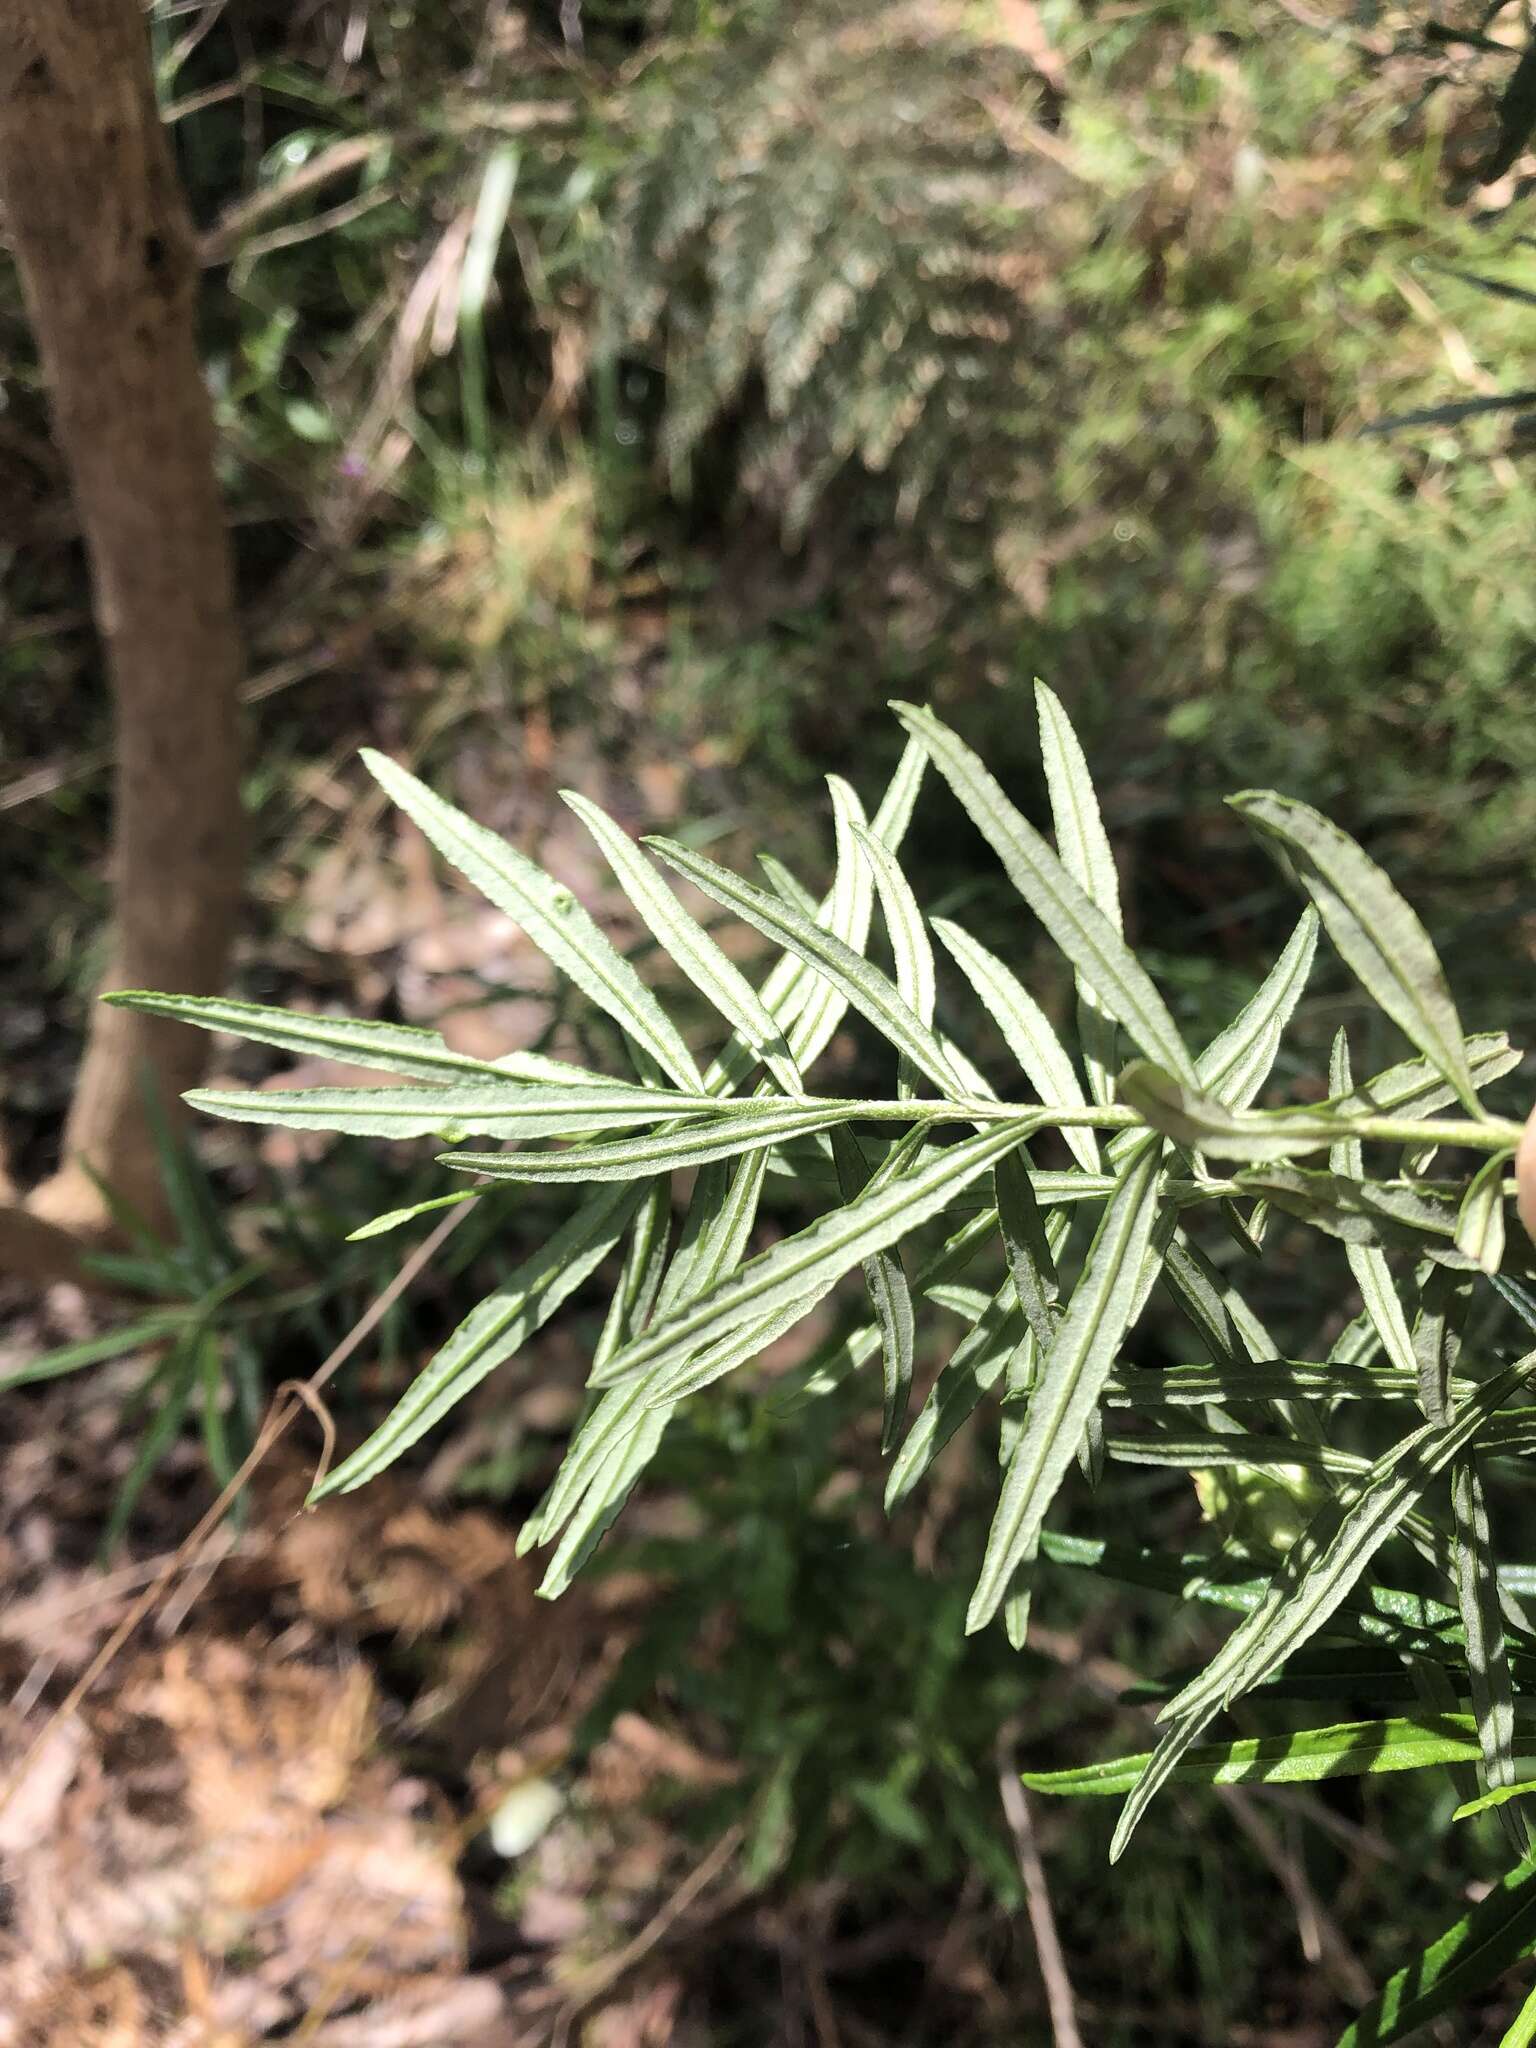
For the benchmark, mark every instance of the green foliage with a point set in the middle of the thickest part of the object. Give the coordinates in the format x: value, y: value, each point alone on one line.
x: 780, y: 1617
x: 828, y: 202
x: 917, y: 1208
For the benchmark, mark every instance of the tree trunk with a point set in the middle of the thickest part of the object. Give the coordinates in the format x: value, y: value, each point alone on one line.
x: 100, y: 232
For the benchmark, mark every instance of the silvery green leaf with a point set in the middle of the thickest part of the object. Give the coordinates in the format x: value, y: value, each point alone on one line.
x: 1024, y: 1239
x: 1026, y: 1031
x: 1361, y: 1212
x: 747, y: 1129
x: 556, y: 923
x: 1334, y: 1550
x: 668, y: 1383
x: 492, y: 1332
x: 1444, y: 1299
x: 491, y: 1109
x: 392, y: 1048
x: 1088, y: 857
x: 793, y: 993
x: 1477, y: 1593
x: 1480, y: 1220
x: 1072, y: 1375
x: 1081, y: 839
x: 717, y: 1230
x: 1236, y: 1063
x: 1315, y: 1577
x: 603, y: 1501
x: 1197, y: 1386
x: 784, y: 884
x: 715, y: 1235
x: 869, y: 991
x: 975, y: 1367
x: 689, y: 946
x: 814, y: 1259
x: 1197, y: 1288
x: 645, y: 1261
x: 1087, y: 938
x: 1199, y: 1122
x: 1368, y: 1263
x: 1376, y: 932
x: 1194, y: 1450
x: 1415, y: 1087
x: 890, y: 1297
x: 910, y: 949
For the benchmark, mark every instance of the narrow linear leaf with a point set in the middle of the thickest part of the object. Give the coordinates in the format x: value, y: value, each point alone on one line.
x: 1349, y: 1749
x: 1026, y: 1032
x: 747, y: 1129
x: 392, y: 1048
x: 1198, y: 1386
x: 1482, y: 1622
x: 1078, y: 926
x: 1072, y: 1376
x: 1373, y: 1276
x: 510, y: 1109
x: 1378, y: 935
x: 492, y: 1332
x: 890, y: 1297
x: 1416, y: 1088
x: 910, y: 948
x: 1480, y: 1220
x: 688, y: 945
x: 392, y: 1219
x: 1473, y: 1951
x: 1237, y: 1062
x: 1334, y: 1550
x: 1024, y: 1239
x: 1085, y: 852
x: 556, y: 923
x: 870, y: 992
x: 1487, y: 1802
x: 1522, y: 2031
x: 815, y: 1258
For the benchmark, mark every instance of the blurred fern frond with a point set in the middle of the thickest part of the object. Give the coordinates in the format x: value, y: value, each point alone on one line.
x: 825, y: 235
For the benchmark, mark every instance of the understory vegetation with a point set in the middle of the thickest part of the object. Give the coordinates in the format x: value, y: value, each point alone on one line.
x: 1024, y: 1294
